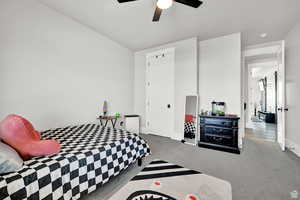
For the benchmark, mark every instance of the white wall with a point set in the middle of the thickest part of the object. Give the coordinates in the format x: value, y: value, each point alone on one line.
x: 220, y: 74
x: 185, y: 80
x: 57, y: 72
x: 292, y: 88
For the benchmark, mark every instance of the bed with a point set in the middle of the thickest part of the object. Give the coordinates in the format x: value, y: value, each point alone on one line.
x: 90, y: 156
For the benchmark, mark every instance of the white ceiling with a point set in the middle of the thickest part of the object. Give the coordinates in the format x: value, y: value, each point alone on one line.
x: 130, y: 24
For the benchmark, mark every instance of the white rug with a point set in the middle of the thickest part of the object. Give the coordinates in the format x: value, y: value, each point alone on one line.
x: 161, y: 180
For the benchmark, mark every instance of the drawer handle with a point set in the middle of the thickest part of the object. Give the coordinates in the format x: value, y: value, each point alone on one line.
x: 218, y: 130
x: 217, y: 139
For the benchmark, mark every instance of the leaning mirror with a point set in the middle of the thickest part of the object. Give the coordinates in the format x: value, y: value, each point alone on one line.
x: 190, y: 119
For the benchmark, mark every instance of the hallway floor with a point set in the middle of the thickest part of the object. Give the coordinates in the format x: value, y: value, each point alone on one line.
x: 261, y: 172
x: 262, y: 130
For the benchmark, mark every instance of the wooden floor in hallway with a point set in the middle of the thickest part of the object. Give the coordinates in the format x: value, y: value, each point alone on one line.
x: 262, y: 130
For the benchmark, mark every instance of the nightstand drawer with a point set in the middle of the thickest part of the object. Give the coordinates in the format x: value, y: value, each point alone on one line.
x: 219, y: 131
x: 221, y: 122
x: 219, y: 140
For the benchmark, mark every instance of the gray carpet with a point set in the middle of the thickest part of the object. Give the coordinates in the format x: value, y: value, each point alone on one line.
x: 261, y: 172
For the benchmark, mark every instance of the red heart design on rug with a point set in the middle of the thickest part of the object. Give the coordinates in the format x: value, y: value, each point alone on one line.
x: 191, y: 197
x: 157, y: 183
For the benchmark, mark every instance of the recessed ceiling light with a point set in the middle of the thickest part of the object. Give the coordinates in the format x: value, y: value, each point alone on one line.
x: 263, y: 35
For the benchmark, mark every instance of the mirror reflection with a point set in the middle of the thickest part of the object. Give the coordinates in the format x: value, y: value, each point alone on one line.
x: 190, y: 119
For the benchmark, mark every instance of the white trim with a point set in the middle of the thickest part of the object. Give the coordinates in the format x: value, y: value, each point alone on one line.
x: 268, y: 44
x: 177, y: 138
x: 293, y: 147
x: 241, y: 136
x: 281, y: 55
x: 144, y: 130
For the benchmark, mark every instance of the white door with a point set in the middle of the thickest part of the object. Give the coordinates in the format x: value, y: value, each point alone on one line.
x: 281, y: 95
x: 160, y: 92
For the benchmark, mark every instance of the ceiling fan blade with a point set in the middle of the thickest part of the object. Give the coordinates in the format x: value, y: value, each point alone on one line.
x: 124, y: 1
x: 192, y: 3
x: 157, y: 14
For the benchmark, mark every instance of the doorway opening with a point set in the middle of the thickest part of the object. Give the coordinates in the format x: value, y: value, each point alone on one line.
x: 262, y: 93
x: 264, y: 88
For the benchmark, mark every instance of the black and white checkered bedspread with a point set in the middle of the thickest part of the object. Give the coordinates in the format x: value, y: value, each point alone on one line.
x: 189, y: 127
x: 89, y: 157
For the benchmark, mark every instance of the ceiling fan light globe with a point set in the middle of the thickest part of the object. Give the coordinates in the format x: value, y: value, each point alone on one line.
x: 164, y: 4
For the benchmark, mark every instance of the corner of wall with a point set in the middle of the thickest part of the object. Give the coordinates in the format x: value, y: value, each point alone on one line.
x: 295, y: 148
x: 144, y: 130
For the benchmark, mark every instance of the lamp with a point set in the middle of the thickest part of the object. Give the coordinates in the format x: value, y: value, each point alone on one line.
x: 164, y: 4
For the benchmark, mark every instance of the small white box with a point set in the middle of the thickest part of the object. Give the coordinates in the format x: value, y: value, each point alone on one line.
x: 132, y: 123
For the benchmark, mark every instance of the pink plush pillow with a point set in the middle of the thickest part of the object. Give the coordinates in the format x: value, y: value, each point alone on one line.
x: 29, y: 127
x: 20, y: 134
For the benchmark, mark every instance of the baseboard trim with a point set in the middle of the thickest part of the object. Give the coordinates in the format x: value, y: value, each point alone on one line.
x: 144, y: 130
x: 177, y: 137
x: 293, y: 147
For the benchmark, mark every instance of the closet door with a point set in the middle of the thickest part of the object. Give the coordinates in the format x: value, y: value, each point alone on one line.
x: 160, y: 92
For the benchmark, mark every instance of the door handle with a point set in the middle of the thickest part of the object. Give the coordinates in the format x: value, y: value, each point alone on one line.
x: 169, y: 106
x: 280, y: 109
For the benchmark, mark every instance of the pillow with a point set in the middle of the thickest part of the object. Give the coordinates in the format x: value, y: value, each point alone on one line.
x: 189, y: 119
x: 19, y: 133
x: 10, y: 160
x: 29, y: 126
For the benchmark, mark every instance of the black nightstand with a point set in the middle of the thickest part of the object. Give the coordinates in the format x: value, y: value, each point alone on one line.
x: 219, y: 133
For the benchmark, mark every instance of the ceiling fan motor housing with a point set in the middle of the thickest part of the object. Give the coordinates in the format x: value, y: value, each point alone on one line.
x: 165, y: 4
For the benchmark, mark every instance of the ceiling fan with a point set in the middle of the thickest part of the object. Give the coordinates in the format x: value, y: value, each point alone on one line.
x: 165, y: 4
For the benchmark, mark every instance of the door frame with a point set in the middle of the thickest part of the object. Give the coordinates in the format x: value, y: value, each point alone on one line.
x: 281, y: 57
x: 148, y: 56
x: 262, y: 49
